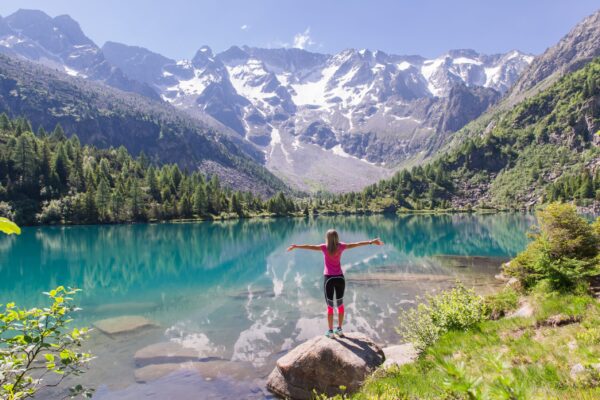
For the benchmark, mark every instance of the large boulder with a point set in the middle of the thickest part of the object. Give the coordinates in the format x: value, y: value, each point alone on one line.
x: 324, y: 364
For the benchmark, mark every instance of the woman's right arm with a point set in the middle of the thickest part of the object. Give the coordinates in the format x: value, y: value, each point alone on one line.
x: 314, y: 247
x: 375, y: 241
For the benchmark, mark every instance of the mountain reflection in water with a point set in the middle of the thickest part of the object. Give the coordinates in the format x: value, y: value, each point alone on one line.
x: 229, y: 291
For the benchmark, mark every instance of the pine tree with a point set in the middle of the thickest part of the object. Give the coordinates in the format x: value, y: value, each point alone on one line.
x: 117, y: 202
x: 103, y: 171
x: 152, y: 184
x: 586, y: 190
x: 236, y: 205
x: 185, y: 206
x: 199, y: 201
x: 61, y: 165
x: 103, y: 199
x: 136, y: 205
x: 89, y: 203
x: 41, y: 133
x: 143, y: 160
x: 58, y: 135
x: 24, y: 156
x: 5, y: 122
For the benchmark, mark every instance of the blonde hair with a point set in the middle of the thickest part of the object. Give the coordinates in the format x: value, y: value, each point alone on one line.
x: 333, y: 241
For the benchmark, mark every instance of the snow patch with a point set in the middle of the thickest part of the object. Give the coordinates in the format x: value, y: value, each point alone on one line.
x: 71, y: 71
x: 465, y: 60
x: 403, y: 66
x: 276, y: 141
x: 338, y: 151
x: 427, y: 70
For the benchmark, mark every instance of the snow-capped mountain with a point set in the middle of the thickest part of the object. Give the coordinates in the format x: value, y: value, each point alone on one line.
x: 335, y: 122
x: 355, y: 109
x: 60, y: 43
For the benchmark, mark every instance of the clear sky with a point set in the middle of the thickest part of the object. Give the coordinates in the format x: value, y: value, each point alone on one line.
x: 177, y: 28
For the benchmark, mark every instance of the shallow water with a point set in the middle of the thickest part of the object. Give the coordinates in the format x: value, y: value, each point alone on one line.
x: 230, y: 291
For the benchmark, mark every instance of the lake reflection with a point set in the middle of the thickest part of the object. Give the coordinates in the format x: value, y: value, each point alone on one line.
x: 230, y: 291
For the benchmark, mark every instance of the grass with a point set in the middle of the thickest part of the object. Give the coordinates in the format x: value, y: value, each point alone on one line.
x: 516, y: 358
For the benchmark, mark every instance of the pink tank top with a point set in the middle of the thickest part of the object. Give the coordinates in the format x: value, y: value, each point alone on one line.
x: 333, y: 265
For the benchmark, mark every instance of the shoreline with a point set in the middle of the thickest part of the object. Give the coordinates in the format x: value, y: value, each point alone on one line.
x: 326, y: 213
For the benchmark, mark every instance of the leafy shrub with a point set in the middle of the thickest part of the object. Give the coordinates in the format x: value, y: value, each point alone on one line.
x: 52, y: 213
x: 499, y: 304
x: 551, y: 303
x: 456, y: 309
x: 565, y: 251
x: 37, y: 341
x: 6, y: 210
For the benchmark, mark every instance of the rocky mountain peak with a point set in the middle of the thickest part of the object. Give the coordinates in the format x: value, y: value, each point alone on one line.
x: 573, y: 51
x: 69, y: 27
x: 23, y: 18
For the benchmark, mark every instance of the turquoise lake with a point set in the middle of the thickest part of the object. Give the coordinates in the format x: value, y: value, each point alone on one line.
x: 231, y: 294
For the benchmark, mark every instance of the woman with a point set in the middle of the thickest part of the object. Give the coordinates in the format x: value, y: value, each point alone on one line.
x: 333, y: 279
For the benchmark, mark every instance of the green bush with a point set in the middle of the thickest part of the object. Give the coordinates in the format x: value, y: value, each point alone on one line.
x: 456, y: 309
x: 565, y: 251
x: 499, y: 304
x: 51, y: 213
x: 38, y: 341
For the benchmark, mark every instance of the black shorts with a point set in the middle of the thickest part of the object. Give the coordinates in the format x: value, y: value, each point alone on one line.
x: 334, y: 284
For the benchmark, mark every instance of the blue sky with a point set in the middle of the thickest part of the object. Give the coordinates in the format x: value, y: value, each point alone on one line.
x: 177, y: 28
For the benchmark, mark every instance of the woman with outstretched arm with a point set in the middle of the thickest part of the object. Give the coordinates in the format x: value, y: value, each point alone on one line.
x: 333, y: 276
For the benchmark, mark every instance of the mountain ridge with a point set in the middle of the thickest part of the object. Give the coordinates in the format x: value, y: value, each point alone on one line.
x: 281, y: 100
x: 60, y: 43
x: 104, y: 117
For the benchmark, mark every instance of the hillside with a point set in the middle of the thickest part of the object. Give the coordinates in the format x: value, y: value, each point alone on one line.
x: 103, y: 117
x: 545, y: 148
x: 573, y: 51
x: 51, y: 179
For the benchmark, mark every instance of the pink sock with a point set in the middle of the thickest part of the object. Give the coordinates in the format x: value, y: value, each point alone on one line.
x: 341, y: 309
x: 329, y: 310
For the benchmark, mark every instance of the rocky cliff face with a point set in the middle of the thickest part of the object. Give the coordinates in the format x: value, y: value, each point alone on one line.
x: 572, y: 52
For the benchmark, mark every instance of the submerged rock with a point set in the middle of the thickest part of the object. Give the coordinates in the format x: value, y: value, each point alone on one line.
x: 165, y: 352
x: 324, y: 365
x: 400, y: 354
x: 124, y: 324
x: 207, y: 370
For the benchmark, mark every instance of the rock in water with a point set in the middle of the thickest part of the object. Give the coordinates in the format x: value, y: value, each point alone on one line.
x: 164, y: 352
x: 124, y: 324
x: 324, y: 365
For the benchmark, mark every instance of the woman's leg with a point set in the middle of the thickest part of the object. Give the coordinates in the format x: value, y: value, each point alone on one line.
x: 328, y: 289
x: 339, y: 294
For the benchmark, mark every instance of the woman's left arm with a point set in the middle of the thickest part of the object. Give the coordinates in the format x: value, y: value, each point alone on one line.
x: 375, y: 241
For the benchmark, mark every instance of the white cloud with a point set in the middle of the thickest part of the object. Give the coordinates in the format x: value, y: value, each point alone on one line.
x: 244, y: 27
x: 302, y: 40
